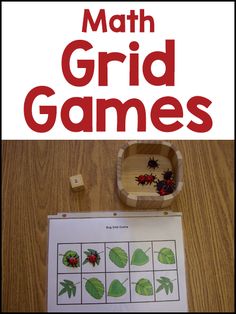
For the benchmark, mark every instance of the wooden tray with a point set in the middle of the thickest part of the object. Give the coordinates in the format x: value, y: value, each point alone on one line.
x: 132, y: 162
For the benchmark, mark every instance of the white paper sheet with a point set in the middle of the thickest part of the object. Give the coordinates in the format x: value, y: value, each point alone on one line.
x: 140, y: 262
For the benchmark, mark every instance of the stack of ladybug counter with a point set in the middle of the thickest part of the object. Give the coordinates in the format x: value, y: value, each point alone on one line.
x: 165, y: 186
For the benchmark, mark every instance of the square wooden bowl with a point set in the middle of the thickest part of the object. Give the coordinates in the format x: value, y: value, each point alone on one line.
x: 133, y: 160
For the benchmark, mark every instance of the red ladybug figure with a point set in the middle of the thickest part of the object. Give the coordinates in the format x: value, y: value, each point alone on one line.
x: 145, y: 179
x: 167, y: 175
x: 150, y: 178
x: 141, y: 179
x: 162, y: 192
x: 152, y: 163
x: 72, y: 261
x: 167, y: 185
x: 93, y: 257
x: 169, y: 181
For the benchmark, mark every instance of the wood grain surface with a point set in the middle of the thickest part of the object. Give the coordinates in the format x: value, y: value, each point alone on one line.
x: 35, y: 183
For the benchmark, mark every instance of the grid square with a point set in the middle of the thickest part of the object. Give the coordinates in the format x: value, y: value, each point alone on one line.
x: 169, y: 277
x: 121, y: 253
x: 88, y: 267
x: 164, y: 255
x: 141, y: 256
x: 69, y: 298
x: 87, y: 297
x: 141, y: 280
x: 117, y: 281
x: 64, y: 248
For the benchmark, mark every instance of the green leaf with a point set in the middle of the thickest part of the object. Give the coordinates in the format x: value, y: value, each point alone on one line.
x: 62, y: 291
x: 69, y: 254
x: 63, y: 284
x: 171, y: 287
x: 139, y: 258
x: 68, y: 282
x: 166, y: 284
x: 118, y: 256
x: 116, y: 289
x: 166, y: 287
x: 166, y: 256
x: 69, y: 287
x: 92, y: 251
x: 144, y: 287
x: 73, y: 290
x: 159, y: 288
x: 164, y: 278
x: 95, y: 288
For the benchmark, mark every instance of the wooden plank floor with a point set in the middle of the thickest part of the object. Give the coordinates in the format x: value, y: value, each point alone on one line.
x: 35, y: 183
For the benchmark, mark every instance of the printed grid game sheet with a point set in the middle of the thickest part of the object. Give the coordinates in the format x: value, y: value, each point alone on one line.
x: 116, y: 262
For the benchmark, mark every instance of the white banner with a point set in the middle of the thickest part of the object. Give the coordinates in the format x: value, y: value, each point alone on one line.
x: 118, y: 70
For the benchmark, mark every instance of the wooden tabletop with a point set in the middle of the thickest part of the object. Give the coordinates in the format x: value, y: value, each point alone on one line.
x: 35, y: 184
